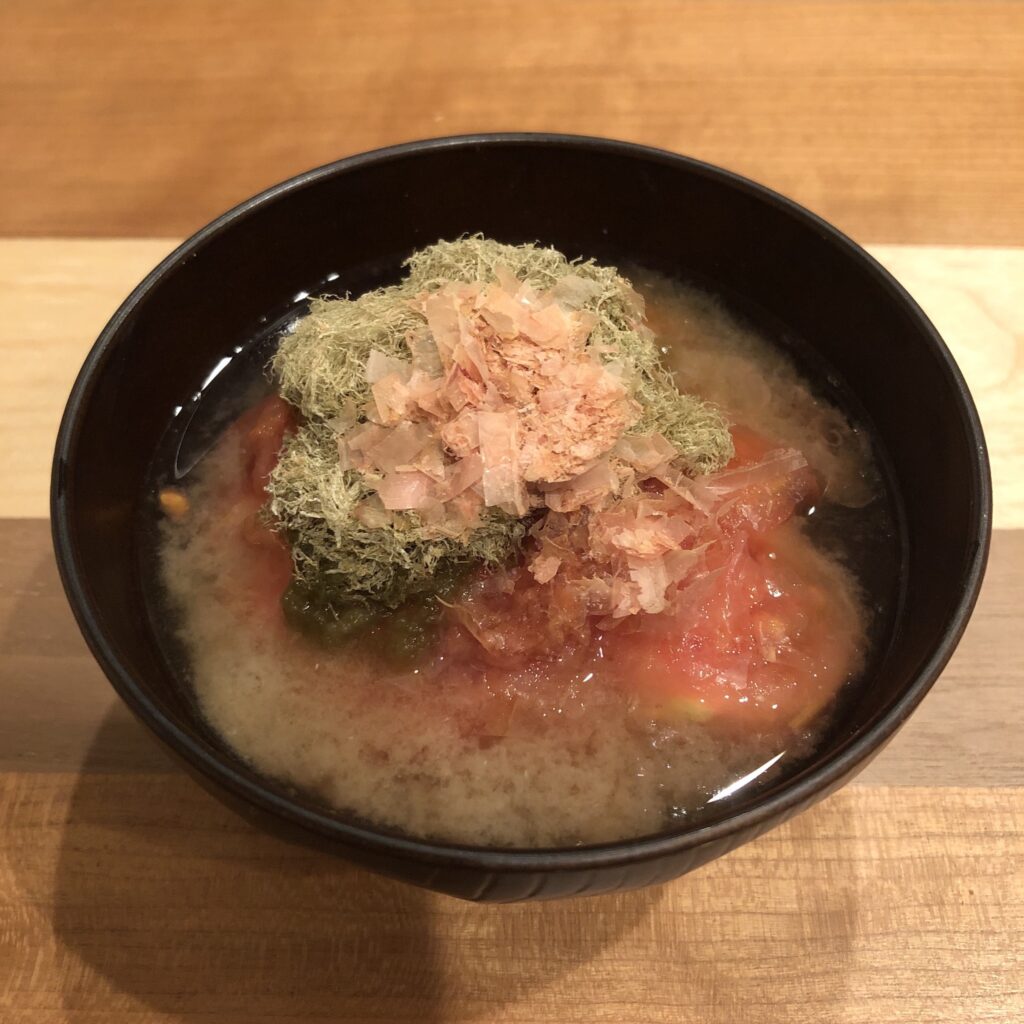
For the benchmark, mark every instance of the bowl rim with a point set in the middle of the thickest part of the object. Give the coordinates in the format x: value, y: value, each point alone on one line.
x: 803, y: 788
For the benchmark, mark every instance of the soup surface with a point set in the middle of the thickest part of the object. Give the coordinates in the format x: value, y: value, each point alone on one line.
x: 514, y: 725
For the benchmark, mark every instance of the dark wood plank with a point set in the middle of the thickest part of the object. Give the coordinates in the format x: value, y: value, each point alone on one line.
x: 137, y: 898
x: 966, y: 733
x: 54, y: 695
x: 899, y: 121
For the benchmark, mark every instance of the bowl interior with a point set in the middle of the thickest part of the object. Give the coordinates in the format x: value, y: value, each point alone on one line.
x: 619, y: 204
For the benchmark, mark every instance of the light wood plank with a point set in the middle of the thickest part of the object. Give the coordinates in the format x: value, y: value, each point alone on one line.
x: 899, y: 121
x: 138, y: 898
x: 55, y: 699
x: 55, y: 297
x: 56, y: 294
x: 975, y: 298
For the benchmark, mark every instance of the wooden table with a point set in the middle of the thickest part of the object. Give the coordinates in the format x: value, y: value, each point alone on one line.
x: 127, y: 894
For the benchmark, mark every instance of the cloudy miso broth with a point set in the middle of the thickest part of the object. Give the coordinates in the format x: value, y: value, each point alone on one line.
x: 633, y: 661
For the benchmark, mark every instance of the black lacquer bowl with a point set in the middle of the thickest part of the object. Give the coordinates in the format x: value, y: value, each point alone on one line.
x: 620, y: 203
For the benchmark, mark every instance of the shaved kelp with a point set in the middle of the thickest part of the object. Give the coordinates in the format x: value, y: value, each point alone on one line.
x: 342, y: 535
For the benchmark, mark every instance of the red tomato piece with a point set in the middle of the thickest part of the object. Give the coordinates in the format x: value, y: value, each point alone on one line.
x: 748, y: 446
x: 516, y: 620
x: 777, y: 493
x: 264, y: 562
x: 760, y: 644
x: 263, y: 429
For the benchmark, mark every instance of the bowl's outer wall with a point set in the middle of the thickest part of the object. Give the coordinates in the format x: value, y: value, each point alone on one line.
x: 610, y: 201
x: 511, y: 885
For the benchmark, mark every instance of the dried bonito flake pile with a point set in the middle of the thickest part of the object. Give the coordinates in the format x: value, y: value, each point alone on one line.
x: 499, y: 398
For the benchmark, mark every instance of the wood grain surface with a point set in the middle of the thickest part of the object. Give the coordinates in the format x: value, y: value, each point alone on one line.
x: 137, y: 898
x: 127, y: 895
x: 899, y: 122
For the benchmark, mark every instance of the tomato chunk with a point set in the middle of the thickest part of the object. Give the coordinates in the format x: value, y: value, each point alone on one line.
x: 780, y: 484
x: 516, y: 620
x: 264, y: 562
x: 760, y: 644
x: 263, y: 429
x: 748, y: 446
